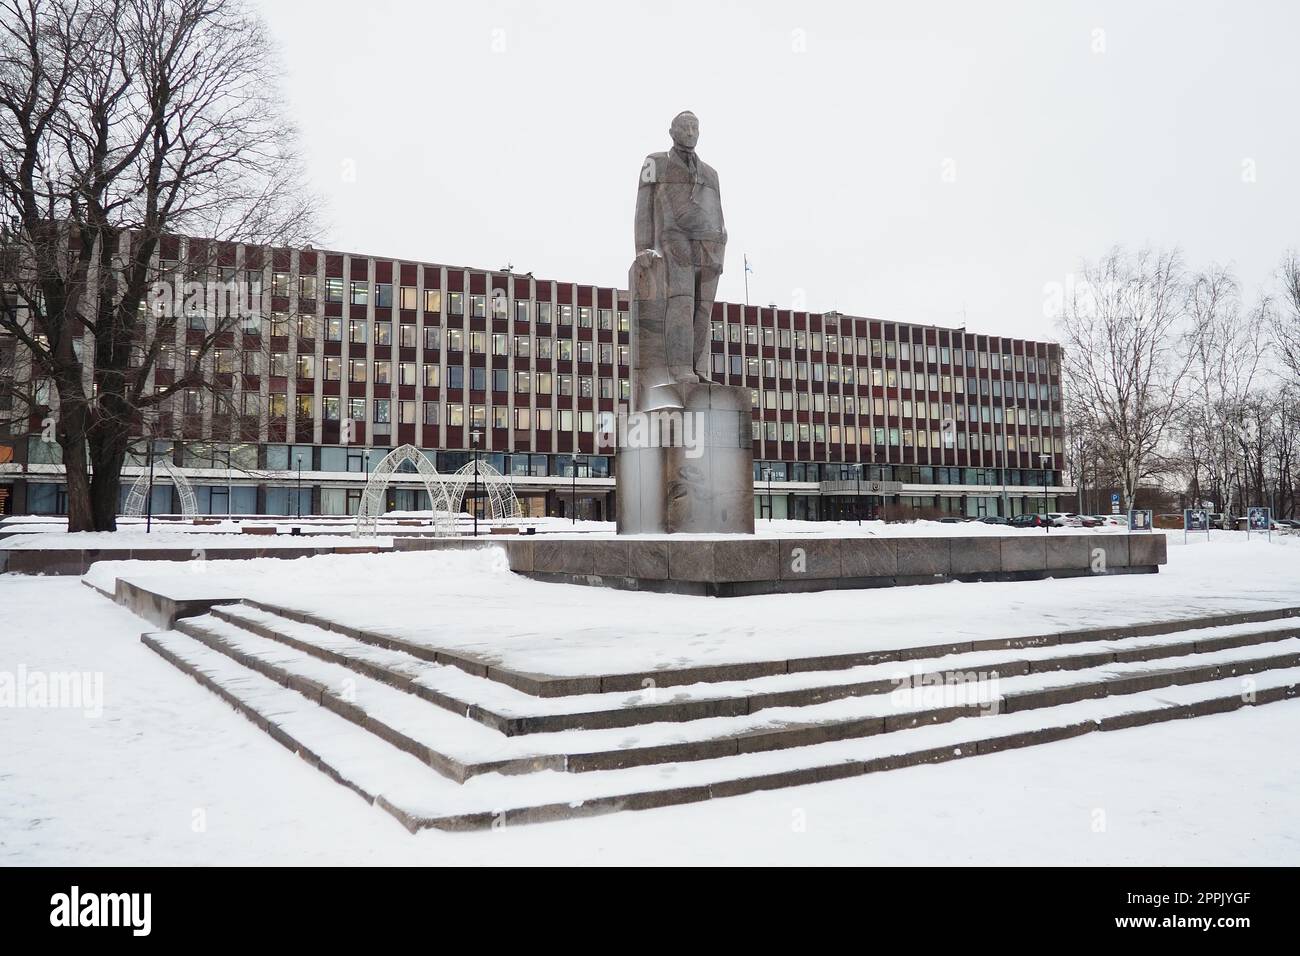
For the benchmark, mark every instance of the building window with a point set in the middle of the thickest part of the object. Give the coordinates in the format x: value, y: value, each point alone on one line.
x: 408, y: 297
x: 360, y: 292
x: 307, y: 288
x: 333, y: 290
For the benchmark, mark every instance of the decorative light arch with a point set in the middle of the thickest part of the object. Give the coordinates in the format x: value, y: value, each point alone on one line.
x: 373, y: 498
x: 503, y: 504
x: 135, y: 499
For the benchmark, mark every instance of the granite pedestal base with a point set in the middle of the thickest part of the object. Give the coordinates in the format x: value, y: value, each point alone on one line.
x: 738, y: 566
x: 688, y: 470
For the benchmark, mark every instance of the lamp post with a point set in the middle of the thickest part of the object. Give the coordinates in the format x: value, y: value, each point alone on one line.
x: 299, y: 495
x: 767, y: 473
x: 474, y: 437
x: 148, y: 508
x: 1045, y: 460
x: 573, y: 484
x: 857, y: 498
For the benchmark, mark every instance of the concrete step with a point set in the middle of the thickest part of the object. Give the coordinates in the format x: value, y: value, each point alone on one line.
x: 513, y: 712
x: 568, y: 685
x: 404, y: 785
x: 461, y: 749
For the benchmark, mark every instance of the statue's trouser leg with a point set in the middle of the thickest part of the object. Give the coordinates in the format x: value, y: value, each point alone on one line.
x: 708, y: 288
x: 680, y: 317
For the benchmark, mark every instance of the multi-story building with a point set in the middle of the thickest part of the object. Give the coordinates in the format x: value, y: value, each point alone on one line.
x: 351, y: 355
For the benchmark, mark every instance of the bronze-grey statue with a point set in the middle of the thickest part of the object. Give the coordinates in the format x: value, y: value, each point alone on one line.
x: 679, y: 223
x: 686, y: 464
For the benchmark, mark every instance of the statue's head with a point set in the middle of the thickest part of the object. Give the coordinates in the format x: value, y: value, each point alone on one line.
x: 685, y: 130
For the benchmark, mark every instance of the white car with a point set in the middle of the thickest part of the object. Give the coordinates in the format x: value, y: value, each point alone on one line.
x: 1061, y: 519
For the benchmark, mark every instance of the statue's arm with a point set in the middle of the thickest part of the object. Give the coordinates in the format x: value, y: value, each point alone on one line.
x: 644, y: 224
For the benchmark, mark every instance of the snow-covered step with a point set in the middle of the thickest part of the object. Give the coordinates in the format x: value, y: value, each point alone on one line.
x: 513, y: 712
x: 571, y: 684
x: 419, y: 798
x: 461, y: 748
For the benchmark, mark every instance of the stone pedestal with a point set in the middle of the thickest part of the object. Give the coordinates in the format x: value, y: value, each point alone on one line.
x: 691, y: 469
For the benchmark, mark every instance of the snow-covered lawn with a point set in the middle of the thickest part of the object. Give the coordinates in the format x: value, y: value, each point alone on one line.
x: 170, y: 774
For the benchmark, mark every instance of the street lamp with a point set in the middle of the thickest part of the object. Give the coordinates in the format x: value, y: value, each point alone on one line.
x: 299, y: 495
x: 573, y: 494
x: 857, y: 498
x: 1045, y: 460
x: 767, y: 473
x: 474, y: 437
x: 148, y: 509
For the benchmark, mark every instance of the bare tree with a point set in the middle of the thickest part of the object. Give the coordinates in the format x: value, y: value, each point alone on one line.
x: 1286, y: 318
x: 1123, y: 356
x: 124, y: 122
x: 1227, y: 351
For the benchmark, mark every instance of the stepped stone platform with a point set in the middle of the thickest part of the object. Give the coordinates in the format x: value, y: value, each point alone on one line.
x: 739, y: 565
x: 454, y: 741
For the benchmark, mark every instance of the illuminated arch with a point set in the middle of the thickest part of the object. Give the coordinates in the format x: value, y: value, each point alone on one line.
x: 503, y: 504
x: 373, y: 498
x: 135, y: 499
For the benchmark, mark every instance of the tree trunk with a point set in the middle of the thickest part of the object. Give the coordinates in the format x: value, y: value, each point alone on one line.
x: 80, y: 514
x: 108, y: 453
x: 70, y: 431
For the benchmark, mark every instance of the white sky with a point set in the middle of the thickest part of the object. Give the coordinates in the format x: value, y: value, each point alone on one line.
x: 482, y: 133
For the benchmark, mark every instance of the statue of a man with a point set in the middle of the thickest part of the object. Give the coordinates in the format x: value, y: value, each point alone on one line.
x: 679, y: 218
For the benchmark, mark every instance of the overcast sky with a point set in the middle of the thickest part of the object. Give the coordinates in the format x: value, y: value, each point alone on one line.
x: 921, y: 162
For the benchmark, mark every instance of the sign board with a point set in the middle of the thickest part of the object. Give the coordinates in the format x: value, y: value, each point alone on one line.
x: 1196, y: 519
x: 1114, y: 503
x: 1259, y: 519
x: 1139, y: 520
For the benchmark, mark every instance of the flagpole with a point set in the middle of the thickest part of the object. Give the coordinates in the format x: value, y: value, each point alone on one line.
x: 746, y: 255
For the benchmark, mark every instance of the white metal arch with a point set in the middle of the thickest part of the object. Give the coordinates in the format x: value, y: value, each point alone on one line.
x: 373, y: 498
x: 135, y: 499
x: 503, y: 504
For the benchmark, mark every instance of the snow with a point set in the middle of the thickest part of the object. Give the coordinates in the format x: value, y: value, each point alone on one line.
x: 170, y: 775
x: 470, y: 601
x: 196, y: 539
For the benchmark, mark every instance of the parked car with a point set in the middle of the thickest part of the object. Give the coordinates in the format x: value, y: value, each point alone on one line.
x: 1029, y: 521
x: 994, y: 519
x: 1112, y: 521
x: 1062, y: 519
x: 952, y: 519
x: 1091, y: 521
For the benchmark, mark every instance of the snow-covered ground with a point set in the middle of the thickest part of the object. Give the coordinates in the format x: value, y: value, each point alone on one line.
x: 169, y: 774
x: 136, y: 540
x: 469, y: 600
